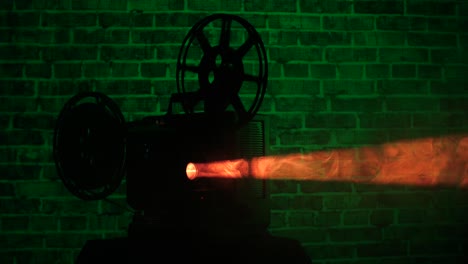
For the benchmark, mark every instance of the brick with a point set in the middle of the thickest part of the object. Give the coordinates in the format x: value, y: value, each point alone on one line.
x: 43, y: 4
x: 320, y: 252
x: 356, y: 217
x: 22, y: 104
x: 15, y: 223
x: 153, y: 69
x: 379, y: 7
x: 287, y: 54
x: 41, y: 188
x: 68, y: 240
x: 124, y: 69
x: 20, y: 172
x: 70, y: 223
x: 21, y: 137
x: 356, y: 104
x: 157, y: 36
x: 320, y: 137
x: 34, y: 121
x: 43, y: 223
x: 411, y: 216
x: 453, y: 104
x: 382, y: 249
x: 431, y: 8
x: 69, y: 20
x: 101, y: 36
x: 403, y: 23
x: 412, y: 104
x: 382, y: 218
x: 29, y: 154
x: 389, y: 87
x: 325, y: 38
x: 377, y: 71
x: 303, y: 235
x: 96, y: 70
x: 38, y: 70
x: 102, y: 222
x: 99, y: 5
x: 23, y: 19
x: 403, y: 71
x: 295, y: 22
x: 354, y: 234
x: 328, y: 219
x: 364, y: 54
x: 404, y: 200
x: 19, y: 52
x: 428, y: 120
x: 384, y: 120
x: 353, y: 71
x: 433, y: 248
x: 269, y: 5
x: 339, y: 54
x: 146, y: 6
x: 348, y: 201
x: 429, y: 71
x: 456, y: 72
x: 124, y: 87
x: 6, y: 5
x: 283, y: 37
x: 395, y: 55
x: 127, y: 53
x: 448, y: 87
x: 279, y: 202
x: 19, y: 206
x: 21, y: 241
x: 332, y: 7
x: 60, y: 88
x: 448, y: 56
x: 301, y: 219
x: 296, y: 70
x: 291, y: 86
x: 330, y: 120
x: 433, y: 40
x: 17, y: 87
x: 348, y: 23
x: 4, y: 122
x: 68, y: 206
x: 323, y: 71
x: 7, y: 189
x: 67, y: 70
x: 11, y: 70
x: 360, y: 137
x: 379, y: 38
x: 285, y: 121
x: 69, y: 53
x: 446, y: 24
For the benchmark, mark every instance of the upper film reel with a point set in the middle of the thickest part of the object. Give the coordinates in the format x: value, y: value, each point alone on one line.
x: 231, y: 71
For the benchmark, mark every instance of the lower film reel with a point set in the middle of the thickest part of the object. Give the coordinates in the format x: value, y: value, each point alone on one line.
x: 89, y: 145
x: 222, y: 66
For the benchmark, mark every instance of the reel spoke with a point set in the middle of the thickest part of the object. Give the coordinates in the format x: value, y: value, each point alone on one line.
x: 203, y: 40
x: 252, y: 78
x: 225, y: 37
x: 245, y: 47
x: 238, y: 105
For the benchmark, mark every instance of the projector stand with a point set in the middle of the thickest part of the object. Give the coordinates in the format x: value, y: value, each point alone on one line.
x: 185, y: 245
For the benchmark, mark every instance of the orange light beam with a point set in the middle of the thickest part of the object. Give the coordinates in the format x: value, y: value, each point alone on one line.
x: 422, y: 162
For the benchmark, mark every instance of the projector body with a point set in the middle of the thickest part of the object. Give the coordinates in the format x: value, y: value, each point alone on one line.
x: 158, y: 151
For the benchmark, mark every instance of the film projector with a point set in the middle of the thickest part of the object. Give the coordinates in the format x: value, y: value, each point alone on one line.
x: 221, y: 83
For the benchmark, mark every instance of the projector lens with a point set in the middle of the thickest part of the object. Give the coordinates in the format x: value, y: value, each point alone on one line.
x: 191, y: 171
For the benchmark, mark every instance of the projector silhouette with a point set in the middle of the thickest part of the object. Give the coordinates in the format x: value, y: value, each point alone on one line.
x: 209, y: 220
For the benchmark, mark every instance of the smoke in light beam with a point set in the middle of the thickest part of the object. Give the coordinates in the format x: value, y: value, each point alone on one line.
x: 422, y: 162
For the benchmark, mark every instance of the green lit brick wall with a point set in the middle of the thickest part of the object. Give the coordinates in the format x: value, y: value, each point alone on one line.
x: 342, y: 74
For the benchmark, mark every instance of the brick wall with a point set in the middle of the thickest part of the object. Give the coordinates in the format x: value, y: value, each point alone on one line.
x: 343, y: 73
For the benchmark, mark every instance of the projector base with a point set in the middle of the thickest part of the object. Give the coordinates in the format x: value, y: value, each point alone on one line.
x: 258, y: 249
